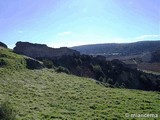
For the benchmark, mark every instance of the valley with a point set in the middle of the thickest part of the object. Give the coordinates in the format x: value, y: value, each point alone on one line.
x: 143, y: 55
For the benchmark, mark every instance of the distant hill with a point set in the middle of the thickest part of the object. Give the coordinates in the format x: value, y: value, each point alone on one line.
x: 119, y: 48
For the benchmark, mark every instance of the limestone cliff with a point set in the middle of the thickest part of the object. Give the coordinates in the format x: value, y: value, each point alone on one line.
x: 42, y: 51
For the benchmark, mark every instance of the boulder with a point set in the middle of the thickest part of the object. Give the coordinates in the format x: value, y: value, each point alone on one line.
x: 33, y: 64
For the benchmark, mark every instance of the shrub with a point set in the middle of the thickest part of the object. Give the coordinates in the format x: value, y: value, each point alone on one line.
x: 62, y: 69
x: 97, y: 68
x: 110, y: 81
x: 48, y: 64
x: 116, y: 85
x: 2, y: 62
x: 7, y: 112
x: 122, y: 85
x: 101, y: 79
x: 98, y: 71
x: 79, y: 71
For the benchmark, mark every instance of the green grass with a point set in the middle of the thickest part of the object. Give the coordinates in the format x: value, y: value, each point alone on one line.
x: 47, y: 95
x: 12, y: 61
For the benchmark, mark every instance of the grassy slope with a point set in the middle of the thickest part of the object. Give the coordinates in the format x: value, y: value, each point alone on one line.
x: 45, y: 94
x: 12, y: 60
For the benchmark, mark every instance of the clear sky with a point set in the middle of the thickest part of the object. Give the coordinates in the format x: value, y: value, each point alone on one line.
x: 60, y: 23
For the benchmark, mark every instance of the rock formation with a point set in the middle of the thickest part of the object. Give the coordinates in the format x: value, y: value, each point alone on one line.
x: 33, y: 64
x: 42, y: 51
x: 3, y: 45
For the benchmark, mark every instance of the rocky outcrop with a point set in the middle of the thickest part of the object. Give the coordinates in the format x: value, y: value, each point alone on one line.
x: 3, y: 45
x: 33, y: 64
x: 42, y: 51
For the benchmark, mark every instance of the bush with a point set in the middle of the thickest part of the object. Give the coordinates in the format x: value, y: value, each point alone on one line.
x: 48, y: 64
x: 62, y: 69
x: 2, y: 62
x: 98, y: 71
x: 7, y: 112
x: 101, y: 79
x: 97, y: 68
x: 79, y: 71
x: 110, y: 81
x: 116, y: 85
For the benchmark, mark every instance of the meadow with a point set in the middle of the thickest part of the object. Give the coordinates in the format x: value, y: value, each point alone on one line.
x: 47, y: 95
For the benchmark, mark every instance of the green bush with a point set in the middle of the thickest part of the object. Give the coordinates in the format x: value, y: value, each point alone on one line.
x: 116, y: 85
x: 98, y: 71
x: 2, y: 62
x: 97, y: 68
x: 110, y: 81
x: 48, y: 64
x: 62, y: 69
x: 7, y: 112
x: 101, y: 79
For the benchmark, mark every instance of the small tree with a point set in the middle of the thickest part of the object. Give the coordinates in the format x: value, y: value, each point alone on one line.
x: 62, y: 69
x: 110, y: 81
x: 98, y: 71
x: 116, y: 85
x: 101, y: 79
x: 48, y: 63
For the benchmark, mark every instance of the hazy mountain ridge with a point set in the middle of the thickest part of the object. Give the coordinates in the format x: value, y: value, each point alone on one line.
x: 119, y: 48
x: 143, y: 55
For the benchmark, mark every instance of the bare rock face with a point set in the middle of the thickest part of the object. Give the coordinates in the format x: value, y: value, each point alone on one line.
x: 3, y: 45
x: 33, y: 64
x: 42, y: 51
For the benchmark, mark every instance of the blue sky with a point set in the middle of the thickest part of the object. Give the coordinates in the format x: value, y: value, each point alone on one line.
x: 59, y: 23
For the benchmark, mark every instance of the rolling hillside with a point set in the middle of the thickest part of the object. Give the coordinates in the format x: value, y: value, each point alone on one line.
x: 45, y: 94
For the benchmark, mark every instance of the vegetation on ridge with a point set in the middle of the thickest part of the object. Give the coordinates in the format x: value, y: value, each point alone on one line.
x: 114, y: 72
